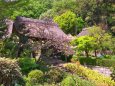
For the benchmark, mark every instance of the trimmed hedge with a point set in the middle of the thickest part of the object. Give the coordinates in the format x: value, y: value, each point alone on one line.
x: 87, y: 61
x: 105, y: 62
x: 97, y: 62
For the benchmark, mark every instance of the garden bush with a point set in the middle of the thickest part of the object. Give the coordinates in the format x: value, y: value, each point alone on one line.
x: 113, y: 73
x: 105, y: 62
x: 55, y: 75
x: 68, y: 81
x: 83, y: 82
x: 90, y: 74
x: 74, y: 80
x: 87, y: 61
x: 27, y: 64
x: 74, y: 58
x: 98, y: 62
x: 107, y: 56
x: 66, y: 58
x: 52, y: 78
x: 9, y: 72
x: 35, y: 76
x: 112, y: 57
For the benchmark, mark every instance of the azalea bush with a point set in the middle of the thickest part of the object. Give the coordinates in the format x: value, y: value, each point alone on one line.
x: 74, y: 80
x: 9, y: 72
x: 68, y: 81
x: 90, y: 74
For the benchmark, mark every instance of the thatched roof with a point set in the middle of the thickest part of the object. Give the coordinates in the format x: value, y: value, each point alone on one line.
x: 83, y: 32
x: 43, y: 30
x: 38, y: 28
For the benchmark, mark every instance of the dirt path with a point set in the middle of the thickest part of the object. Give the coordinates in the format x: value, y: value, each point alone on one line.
x: 103, y: 70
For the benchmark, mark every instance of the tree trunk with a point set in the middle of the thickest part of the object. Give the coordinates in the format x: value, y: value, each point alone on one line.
x: 87, y: 53
x: 20, y: 50
x: 95, y: 53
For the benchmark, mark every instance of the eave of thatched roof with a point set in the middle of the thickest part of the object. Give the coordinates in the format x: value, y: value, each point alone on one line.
x: 84, y: 32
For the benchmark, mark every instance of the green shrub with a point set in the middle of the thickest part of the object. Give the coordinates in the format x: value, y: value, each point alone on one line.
x: 54, y: 75
x: 27, y: 64
x: 107, y: 56
x: 68, y: 81
x: 35, y: 77
x: 105, y: 62
x: 9, y: 72
x: 74, y: 80
x: 98, y: 61
x: 44, y: 84
x: 42, y: 65
x: 66, y: 58
x: 88, y: 61
x: 74, y: 58
x: 113, y: 74
x: 112, y: 57
x: 83, y: 82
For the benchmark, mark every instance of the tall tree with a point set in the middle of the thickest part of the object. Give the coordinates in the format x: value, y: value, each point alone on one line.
x: 69, y: 22
x: 61, y: 6
x: 84, y: 43
x: 102, y: 38
x: 33, y: 9
x: 8, y: 6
